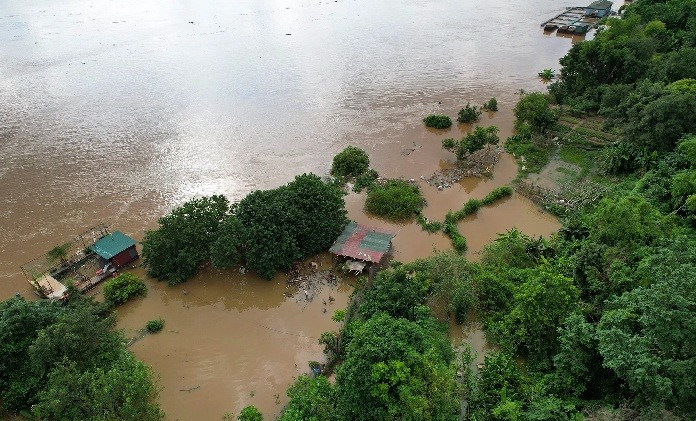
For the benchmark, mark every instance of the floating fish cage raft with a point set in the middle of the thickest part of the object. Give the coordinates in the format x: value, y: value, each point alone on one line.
x: 579, y: 20
x: 84, y: 261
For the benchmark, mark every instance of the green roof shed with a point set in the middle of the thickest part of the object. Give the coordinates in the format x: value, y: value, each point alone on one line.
x: 112, y: 244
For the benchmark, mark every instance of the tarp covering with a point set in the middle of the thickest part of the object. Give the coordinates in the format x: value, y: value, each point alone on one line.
x: 362, y: 243
x: 600, y: 5
x: 112, y: 244
x: 50, y: 287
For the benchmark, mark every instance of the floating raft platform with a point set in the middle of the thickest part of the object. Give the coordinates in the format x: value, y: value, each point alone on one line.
x: 572, y: 21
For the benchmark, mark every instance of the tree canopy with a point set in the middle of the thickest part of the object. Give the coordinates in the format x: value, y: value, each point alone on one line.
x: 181, y: 244
x: 270, y: 229
x: 68, y: 362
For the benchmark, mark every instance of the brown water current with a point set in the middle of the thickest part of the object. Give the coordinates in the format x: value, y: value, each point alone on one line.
x: 118, y: 111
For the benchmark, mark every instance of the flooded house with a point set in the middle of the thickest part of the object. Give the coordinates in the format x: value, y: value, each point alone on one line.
x: 362, y: 245
x: 116, y: 248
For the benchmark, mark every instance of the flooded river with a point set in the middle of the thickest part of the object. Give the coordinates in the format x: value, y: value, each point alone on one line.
x: 118, y: 111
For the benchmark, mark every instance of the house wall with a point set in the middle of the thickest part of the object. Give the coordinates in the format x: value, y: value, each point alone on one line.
x: 124, y: 257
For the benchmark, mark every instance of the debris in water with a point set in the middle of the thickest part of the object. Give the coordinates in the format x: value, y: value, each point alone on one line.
x: 478, y: 164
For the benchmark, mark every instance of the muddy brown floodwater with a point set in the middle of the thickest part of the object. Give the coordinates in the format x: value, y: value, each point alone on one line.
x: 117, y: 112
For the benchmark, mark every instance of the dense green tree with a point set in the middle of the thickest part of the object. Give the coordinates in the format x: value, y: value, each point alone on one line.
x: 394, y: 292
x: 647, y: 337
x: 181, y: 243
x: 20, y: 324
x: 579, y: 370
x: 271, y: 229
x: 319, y: 211
x: 658, y: 125
x: 514, y: 248
x: 65, y: 361
x: 122, y: 390
x: 499, y: 382
x: 449, y: 279
x: 533, y: 110
x: 397, y: 369
x: 266, y: 235
x: 351, y: 162
x: 85, y: 334
x: 627, y: 223
x: 311, y: 399
x: 540, y: 306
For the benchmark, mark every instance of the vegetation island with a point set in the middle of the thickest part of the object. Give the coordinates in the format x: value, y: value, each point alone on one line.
x: 597, y: 322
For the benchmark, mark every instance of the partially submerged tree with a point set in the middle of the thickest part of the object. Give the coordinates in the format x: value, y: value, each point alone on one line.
x: 468, y: 114
x: 351, y: 162
x: 58, y: 253
x: 175, y: 250
x: 271, y: 229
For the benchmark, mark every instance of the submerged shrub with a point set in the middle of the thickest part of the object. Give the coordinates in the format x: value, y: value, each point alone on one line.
x: 468, y: 114
x: 365, y: 180
x: 427, y: 225
x: 472, y: 142
x: 120, y: 289
x: 154, y: 326
x: 449, y: 144
x: 491, y: 105
x: 437, y: 121
x: 497, y: 194
x: 395, y: 199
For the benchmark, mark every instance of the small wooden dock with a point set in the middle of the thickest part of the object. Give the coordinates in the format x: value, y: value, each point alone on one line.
x: 571, y: 21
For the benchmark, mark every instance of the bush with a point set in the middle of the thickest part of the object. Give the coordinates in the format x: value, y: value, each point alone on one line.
x: 429, y: 226
x: 437, y: 121
x: 449, y: 144
x: 350, y: 163
x: 395, y: 199
x: 468, y: 114
x: 155, y: 325
x: 474, y: 141
x: 250, y: 413
x: 451, y: 230
x: 491, y: 105
x: 365, y: 180
x: 120, y: 289
x: 497, y: 194
x: 471, y: 206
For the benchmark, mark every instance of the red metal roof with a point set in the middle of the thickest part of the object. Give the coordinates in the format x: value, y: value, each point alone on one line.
x: 362, y: 243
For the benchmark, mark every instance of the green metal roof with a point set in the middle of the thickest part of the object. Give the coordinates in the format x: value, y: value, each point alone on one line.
x: 112, y: 244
